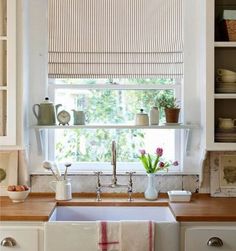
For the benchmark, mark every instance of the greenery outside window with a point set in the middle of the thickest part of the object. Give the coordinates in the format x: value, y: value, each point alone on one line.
x: 111, y: 101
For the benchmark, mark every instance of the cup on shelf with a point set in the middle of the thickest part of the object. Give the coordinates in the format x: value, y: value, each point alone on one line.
x: 226, y: 78
x: 226, y: 123
x: 79, y: 117
x: 222, y: 72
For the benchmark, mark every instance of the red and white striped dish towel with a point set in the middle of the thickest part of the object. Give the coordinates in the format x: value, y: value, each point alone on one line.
x: 108, y: 235
x: 136, y: 236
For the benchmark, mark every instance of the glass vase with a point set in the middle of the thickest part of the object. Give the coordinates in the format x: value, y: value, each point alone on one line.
x: 151, y: 192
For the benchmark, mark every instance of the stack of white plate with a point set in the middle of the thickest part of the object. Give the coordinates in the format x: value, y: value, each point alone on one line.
x: 225, y: 81
x: 225, y: 135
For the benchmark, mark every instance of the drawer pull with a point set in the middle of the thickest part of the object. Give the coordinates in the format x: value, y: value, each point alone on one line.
x: 215, y: 242
x: 8, y: 242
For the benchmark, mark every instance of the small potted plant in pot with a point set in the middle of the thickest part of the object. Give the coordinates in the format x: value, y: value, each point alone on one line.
x: 171, y: 108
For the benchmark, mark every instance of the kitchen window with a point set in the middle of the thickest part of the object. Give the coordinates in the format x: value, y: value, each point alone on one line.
x: 111, y: 102
x: 110, y: 59
x: 48, y: 80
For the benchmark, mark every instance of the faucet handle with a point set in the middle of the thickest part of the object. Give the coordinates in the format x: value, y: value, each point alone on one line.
x: 130, y: 186
x: 130, y: 174
x: 98, y: 178
x: 98, y: 186
x: 130, y: 178
x: 98, y: 173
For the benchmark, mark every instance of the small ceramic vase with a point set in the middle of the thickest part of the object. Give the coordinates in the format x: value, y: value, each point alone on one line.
x: 151, y: 192
x: 154, y: 116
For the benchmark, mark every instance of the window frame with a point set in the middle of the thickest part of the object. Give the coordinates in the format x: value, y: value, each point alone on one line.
x: 36, y: 81
x: 122, y: 166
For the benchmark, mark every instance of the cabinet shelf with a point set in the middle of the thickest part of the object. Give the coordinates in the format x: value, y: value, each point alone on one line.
x: 4, y: 38
x: 3, y: 88
x: 225, y: 44
x: 225, y: 96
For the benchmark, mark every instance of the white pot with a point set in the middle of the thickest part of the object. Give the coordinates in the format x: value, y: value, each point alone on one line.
x: 151, y: 192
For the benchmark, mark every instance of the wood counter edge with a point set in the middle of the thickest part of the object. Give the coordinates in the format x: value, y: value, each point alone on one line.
x: 111, y: 200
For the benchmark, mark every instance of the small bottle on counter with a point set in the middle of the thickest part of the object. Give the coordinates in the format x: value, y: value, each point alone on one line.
x: 154, y: 116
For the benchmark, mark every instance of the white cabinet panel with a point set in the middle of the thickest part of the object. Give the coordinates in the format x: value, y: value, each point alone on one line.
x: 26, y: 239
x: 196, y: 238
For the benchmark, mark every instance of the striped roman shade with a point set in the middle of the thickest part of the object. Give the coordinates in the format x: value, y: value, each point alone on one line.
x: 115, y: 38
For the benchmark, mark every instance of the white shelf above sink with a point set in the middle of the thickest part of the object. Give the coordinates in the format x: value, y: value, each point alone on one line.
x: 117, y: 126
x: 40, y: 130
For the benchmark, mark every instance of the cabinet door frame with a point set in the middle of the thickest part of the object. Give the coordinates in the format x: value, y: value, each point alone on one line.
x: 10, y: 138
x: 211, y: 97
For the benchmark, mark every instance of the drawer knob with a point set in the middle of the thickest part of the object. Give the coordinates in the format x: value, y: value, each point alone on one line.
x: 215, y: 242
x: 8, y: 242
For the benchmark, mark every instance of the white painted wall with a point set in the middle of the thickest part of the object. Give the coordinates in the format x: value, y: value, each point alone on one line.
x: 193, y: 55
x: 37, y: 24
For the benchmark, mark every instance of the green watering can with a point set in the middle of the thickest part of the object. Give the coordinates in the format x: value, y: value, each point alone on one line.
x: 46, y: 112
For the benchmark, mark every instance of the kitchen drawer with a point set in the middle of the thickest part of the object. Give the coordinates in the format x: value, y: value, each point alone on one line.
x: 26, y: 239
x: 196, y: 239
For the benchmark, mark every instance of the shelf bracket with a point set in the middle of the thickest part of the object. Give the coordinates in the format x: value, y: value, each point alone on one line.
x: 188, y: 136
x: 40, y: 135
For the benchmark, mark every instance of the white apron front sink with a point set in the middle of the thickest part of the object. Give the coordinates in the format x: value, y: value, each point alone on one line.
x: 112, y: 213
x: 74, y: 228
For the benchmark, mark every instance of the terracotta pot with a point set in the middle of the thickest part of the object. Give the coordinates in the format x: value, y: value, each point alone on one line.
x: 172, y: 115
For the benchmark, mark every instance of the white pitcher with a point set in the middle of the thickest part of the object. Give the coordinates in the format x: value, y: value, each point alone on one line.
x: 62, y: 188
x: 226, y: 123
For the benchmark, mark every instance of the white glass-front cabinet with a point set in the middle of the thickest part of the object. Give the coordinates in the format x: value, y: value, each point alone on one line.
x: 7, y: 72
x: 220, y: 91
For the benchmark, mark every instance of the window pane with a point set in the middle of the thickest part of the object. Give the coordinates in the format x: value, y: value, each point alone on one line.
x: 109, y: 106
x: 117, y: 81
x: 94, y: 145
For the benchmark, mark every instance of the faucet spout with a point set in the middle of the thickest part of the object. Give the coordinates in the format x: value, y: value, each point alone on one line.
x: 113, y: 162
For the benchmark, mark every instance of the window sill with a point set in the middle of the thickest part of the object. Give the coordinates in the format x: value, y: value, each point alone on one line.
x: 109, y: 173
x: 118, y: 126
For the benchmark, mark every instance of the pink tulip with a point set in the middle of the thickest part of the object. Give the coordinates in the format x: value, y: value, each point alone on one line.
x: 175, y: 163
x: 159, y: 151
x: 142, y: 152
x: 161, y: 164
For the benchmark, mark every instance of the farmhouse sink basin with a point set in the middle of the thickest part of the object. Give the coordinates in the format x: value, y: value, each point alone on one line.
x: 111, y: 213
x: 74, y: 227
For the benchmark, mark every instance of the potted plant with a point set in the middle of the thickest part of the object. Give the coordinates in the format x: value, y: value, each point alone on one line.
x: 171, y: 108
x: 153, y: 164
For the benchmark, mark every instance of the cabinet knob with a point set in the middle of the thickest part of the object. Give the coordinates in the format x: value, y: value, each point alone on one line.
x: 215, y: 242
x: 8, y: 242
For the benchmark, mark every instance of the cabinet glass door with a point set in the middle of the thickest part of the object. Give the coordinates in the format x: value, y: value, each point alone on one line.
x: 3, y: 67
x: 3, y: 63
x: 3, y: 113
x: 3, y: 17
x: 7, y: 72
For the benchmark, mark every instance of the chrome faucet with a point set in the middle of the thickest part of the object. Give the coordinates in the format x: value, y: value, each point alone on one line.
x: 113, y: 163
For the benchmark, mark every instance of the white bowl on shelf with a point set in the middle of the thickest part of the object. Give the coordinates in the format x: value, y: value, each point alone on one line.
x: 18, y: 196
x: 222, y: 72
x: 226, y: 78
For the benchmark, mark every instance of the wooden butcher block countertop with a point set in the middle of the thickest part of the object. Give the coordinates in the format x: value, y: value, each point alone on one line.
x: 205, y: 208
x: 39, y: 207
